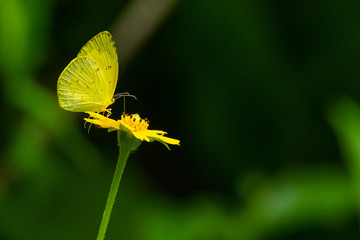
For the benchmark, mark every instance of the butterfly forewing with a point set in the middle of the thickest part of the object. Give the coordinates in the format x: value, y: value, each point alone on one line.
x: 102, y: 50
x: 77, y: 91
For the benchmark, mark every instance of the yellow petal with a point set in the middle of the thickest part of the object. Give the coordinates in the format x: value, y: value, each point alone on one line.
x: 102, y: 121
x: 129, y: 128
x: 169, y: 140
x: 141, y: 136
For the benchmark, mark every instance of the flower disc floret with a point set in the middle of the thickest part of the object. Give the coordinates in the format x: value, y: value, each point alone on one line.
x: 136, y: 122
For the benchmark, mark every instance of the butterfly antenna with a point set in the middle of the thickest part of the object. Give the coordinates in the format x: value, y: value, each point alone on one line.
x: 124, y: 94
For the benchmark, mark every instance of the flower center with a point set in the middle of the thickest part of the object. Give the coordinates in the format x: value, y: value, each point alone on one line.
x: 135, y: 121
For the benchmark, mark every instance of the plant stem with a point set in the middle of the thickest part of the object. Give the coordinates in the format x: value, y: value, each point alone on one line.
x: 123, y: 156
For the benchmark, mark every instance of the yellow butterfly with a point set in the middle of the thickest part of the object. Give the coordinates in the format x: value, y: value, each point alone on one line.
x: 88, y: 83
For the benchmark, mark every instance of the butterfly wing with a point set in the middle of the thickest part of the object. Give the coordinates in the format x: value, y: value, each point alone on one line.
x: 102, y: 50
x: 77, y: 91
x: 88, y: 83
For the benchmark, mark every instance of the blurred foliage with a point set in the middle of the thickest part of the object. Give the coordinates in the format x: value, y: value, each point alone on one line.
x: 269, y: 149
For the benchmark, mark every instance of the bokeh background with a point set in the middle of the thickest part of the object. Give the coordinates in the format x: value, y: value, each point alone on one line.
x: 264, y: 96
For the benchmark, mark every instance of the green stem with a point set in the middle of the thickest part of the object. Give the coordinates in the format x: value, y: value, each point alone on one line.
x: 123, y: 156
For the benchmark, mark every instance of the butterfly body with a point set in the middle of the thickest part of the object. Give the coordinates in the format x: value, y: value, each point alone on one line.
x: 88, y: 82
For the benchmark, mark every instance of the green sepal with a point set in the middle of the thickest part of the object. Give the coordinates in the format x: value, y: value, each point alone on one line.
x: 158, y: 140
x: 127, y: 140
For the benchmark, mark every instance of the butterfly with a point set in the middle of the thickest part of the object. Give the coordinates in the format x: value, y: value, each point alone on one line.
x: 88, y: 82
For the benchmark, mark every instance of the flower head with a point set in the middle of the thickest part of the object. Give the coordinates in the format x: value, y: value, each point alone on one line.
x: 133, y: 124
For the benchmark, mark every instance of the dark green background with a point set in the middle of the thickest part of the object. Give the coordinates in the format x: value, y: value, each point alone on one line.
x: 262, y: 94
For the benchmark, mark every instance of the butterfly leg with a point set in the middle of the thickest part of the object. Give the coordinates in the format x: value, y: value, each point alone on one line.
x: 90, y: 123
x: 108, y: 112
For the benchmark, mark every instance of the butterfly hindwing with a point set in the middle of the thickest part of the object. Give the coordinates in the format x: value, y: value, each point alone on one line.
x: 77, y: 90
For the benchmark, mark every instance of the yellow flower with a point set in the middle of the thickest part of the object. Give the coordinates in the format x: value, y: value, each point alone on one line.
x: 133, y: 124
